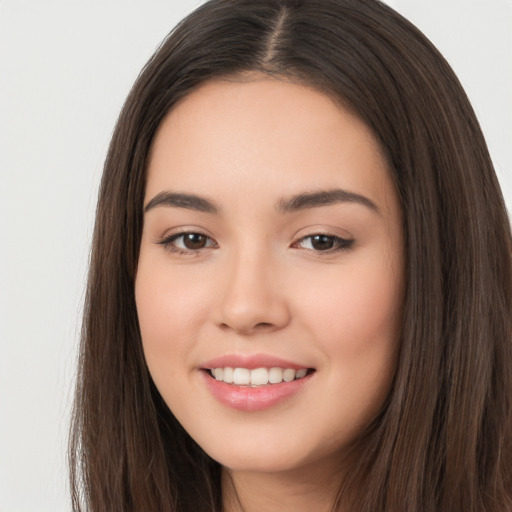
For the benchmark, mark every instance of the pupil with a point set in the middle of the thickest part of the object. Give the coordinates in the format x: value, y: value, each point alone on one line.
x: 194, y: 241
x: 322, y: 242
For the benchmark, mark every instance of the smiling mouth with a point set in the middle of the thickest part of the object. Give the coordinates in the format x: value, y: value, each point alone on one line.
x: 257, y: 377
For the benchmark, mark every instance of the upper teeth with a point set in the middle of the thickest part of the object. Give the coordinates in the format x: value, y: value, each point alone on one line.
x: 258, y: 376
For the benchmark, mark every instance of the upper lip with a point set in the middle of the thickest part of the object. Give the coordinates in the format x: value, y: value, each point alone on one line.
x: 251, y: 361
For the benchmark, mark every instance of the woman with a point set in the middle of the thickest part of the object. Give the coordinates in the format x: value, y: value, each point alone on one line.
x: 300, y: 285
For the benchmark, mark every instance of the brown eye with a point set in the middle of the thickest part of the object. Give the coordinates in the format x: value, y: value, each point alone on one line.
x: 188, y: 243
x: 194, y: 241
x: 324, y: 243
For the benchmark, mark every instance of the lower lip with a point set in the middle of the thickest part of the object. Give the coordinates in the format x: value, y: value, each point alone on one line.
x: 245, y: 398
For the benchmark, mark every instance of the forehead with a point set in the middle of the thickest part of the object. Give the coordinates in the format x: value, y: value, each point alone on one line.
x: 267, y: 133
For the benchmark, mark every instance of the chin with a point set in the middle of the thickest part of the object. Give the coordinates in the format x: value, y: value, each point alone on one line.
x: 274, y: 454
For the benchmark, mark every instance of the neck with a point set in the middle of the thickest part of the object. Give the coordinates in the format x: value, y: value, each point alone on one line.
x: 299, y: 490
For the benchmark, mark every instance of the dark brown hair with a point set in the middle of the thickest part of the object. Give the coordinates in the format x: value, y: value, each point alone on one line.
x: 443, y: 441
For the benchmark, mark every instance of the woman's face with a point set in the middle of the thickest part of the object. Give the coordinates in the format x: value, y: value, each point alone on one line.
x: 271, y: 250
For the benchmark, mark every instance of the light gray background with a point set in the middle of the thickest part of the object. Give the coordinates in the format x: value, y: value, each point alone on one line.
x: 65, y: 69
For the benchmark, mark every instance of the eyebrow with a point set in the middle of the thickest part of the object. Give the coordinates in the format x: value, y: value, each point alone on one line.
x: 294, y: 203
x: 179, y: 200
x: 324, y: 198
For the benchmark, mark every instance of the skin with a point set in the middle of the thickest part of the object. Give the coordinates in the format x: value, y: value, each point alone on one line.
x: 259, y: 285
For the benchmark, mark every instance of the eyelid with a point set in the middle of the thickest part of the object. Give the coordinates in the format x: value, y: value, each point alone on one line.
x: 167, y: 239
x: 341, y: 244
x: 183, y: 230
x: 344, y: 240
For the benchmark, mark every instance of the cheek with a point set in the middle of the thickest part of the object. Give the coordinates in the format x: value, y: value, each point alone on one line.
x: 359, y: 307
x: 356, y: 323
x: 169, y: 302
x: 170, y: 307
x: 168, y: 310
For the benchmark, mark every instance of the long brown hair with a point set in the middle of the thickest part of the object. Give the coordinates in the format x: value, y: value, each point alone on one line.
x: 443, y: 441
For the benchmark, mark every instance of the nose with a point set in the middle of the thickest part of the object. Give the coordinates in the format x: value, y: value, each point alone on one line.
x: 252, y: 296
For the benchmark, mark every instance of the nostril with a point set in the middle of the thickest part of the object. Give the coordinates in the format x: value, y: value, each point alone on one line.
x: 263, y: 324
x: 247, y: 328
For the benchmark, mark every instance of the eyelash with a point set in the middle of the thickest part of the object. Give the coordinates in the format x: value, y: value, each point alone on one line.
x: 339, y: 244
x: 169, y: 243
